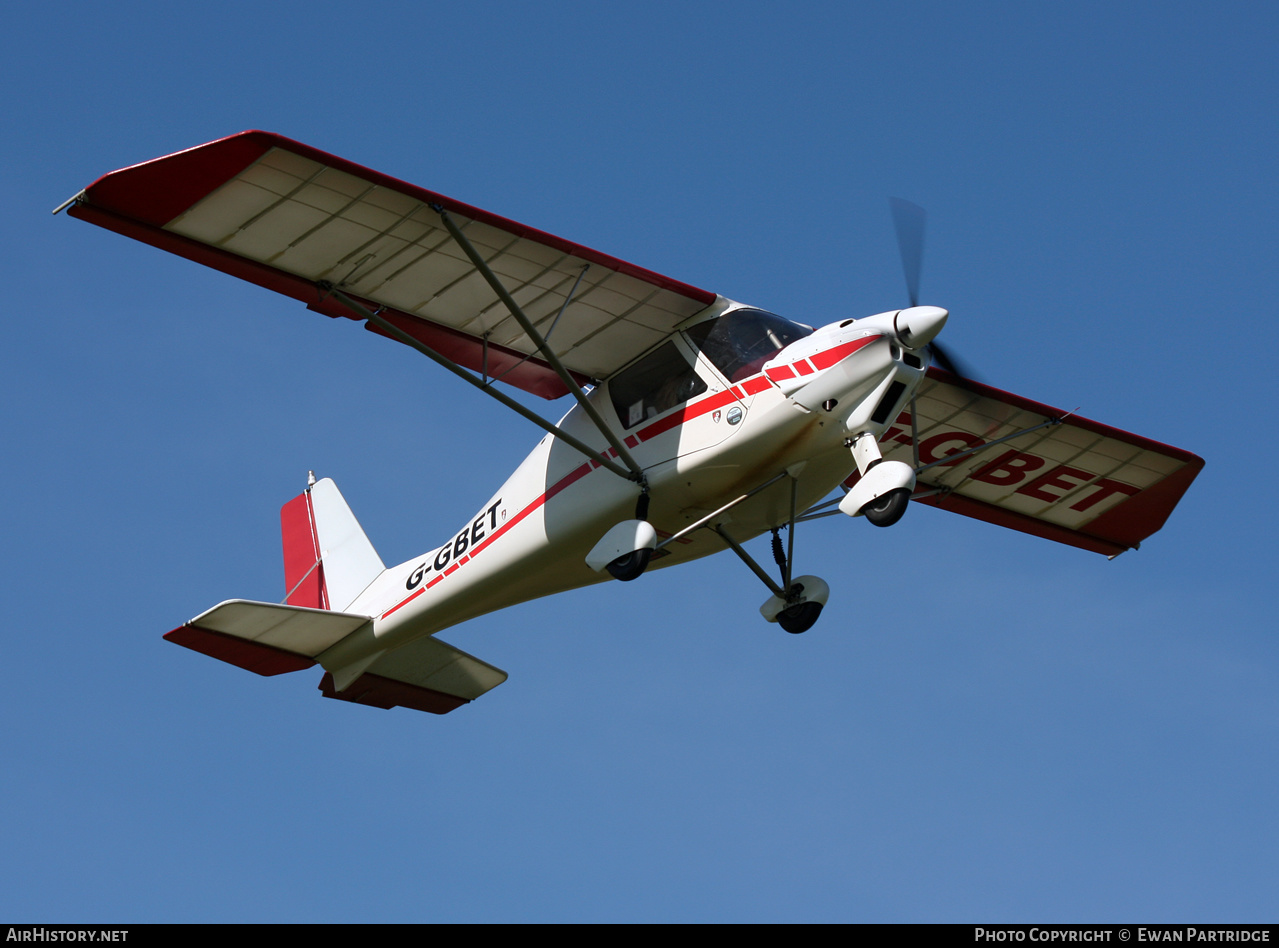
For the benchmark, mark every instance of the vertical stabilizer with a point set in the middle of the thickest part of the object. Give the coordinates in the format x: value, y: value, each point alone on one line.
x: 328, y: 561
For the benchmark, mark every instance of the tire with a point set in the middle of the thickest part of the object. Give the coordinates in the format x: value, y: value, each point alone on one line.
x: 799, y: 618
x: 887, y: 510
x: 630, y: 566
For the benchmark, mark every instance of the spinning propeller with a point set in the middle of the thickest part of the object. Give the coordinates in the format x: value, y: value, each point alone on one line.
x: 921, y: 322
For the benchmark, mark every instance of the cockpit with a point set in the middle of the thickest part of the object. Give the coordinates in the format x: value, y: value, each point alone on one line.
x: 740, y: 342
x: 737, y: 344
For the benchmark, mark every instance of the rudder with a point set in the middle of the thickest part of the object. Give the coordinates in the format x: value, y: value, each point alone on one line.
x: 328, y: 560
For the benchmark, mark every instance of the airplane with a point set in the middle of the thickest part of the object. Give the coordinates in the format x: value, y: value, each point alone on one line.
x: 697, y: 423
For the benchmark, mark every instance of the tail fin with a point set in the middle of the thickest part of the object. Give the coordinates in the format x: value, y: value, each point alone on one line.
x: 328, y: 561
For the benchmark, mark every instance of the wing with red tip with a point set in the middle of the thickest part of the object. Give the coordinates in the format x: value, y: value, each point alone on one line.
x: 1078, y: 482
x: 289, y: 217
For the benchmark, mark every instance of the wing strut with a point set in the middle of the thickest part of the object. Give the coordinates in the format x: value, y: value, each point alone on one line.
x: 951, y: 458
x: 396, y: 333
x: 722, y: 510
x: 746, y: 558
x: 636, y: 472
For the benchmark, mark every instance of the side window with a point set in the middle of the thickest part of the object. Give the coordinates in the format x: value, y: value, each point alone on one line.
x: 659, y: 381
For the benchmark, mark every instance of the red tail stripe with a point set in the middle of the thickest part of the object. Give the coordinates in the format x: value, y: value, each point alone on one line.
x: 303, y: 577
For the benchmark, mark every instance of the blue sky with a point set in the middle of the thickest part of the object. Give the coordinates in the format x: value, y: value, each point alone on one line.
x: 982, y: 726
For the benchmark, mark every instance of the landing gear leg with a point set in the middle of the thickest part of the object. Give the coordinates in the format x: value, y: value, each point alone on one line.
x: 799, y: 614
x: 633, y: 564
x: 797, y: 603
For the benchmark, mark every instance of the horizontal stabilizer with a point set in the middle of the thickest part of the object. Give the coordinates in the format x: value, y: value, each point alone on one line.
x: 264, y: 637
x: 425, y: 675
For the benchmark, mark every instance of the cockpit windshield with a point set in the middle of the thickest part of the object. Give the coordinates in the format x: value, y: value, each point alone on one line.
x: 740, y: 342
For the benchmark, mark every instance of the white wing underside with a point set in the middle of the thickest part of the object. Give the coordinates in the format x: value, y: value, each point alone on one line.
x: 290, y: 217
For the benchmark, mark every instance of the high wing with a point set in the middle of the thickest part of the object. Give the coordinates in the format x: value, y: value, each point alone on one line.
x: 1076, y: 481
x: 298, y: 221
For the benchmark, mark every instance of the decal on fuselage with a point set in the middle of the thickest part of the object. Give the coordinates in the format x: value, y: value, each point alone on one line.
x: 456, y: 548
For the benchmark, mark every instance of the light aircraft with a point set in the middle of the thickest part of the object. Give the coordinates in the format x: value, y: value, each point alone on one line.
x: 698, y: 422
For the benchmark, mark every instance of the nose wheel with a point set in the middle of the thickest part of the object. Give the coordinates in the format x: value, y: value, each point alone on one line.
x: 883, y: 488
x: 887, y: 510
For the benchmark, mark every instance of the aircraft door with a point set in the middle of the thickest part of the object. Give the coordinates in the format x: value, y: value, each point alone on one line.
x: 671, y: 402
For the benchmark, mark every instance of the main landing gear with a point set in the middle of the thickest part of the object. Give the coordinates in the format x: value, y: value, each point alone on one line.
x: 799, y: 607
x: 800, y: 618
x: 630, y: 566
x: 626, y: 549
x: 796, y: 604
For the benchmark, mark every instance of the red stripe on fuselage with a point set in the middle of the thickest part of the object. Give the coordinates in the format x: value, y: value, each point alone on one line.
x: 828, y: 357
x: 687, y: 413
x: 780, y: 373
x: 750, y: 386
x: 405, y: 602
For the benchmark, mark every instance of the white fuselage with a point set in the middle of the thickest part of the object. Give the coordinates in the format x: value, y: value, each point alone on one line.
x: 530, y: 539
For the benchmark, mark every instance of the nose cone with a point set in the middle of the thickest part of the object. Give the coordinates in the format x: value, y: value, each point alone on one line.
x: 917, y: 326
